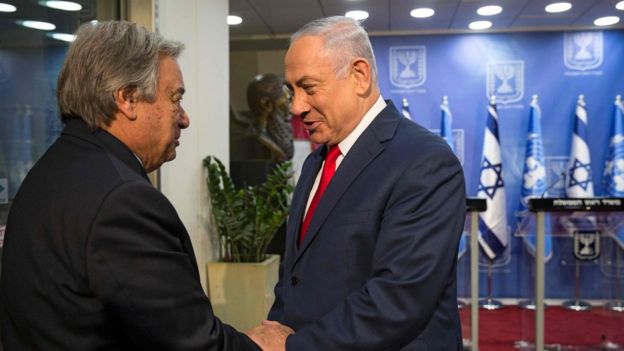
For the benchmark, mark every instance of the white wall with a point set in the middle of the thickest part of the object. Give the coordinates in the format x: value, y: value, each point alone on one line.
x: 201, y: 26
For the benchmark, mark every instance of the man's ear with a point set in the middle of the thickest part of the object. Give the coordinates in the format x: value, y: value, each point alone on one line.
x: 361, y: 73
x: 125, y: 99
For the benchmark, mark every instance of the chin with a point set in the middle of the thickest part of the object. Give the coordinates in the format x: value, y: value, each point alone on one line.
x: 318, y: 139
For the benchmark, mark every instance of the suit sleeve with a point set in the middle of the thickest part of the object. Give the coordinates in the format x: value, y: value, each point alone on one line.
x: 139, y: 268
x: 413, y: 263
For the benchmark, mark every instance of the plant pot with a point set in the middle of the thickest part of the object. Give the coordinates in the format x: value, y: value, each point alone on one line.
x: 241, y: 294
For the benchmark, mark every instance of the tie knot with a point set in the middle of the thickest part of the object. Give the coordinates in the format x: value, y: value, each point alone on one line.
x: 333, y: 153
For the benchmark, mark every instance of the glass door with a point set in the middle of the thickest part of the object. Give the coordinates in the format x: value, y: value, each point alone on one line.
x: 34, y: 37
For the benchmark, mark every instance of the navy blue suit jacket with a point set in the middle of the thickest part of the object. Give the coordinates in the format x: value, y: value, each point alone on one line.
x: 377, y: 268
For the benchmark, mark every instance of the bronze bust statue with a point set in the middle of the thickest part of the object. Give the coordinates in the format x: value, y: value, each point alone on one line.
x: 265, y: 133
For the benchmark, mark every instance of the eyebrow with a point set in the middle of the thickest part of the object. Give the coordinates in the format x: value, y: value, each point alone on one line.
x: 299, y: 82
x: 179, y: 90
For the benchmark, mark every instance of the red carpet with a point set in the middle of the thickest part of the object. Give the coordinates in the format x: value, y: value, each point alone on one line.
x: 500, y: 330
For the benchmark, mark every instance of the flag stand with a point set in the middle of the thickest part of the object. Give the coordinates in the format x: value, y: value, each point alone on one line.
x: 490, y: 303
x: 577, y: 304
x: 617, y: 305
x: 529, y: 304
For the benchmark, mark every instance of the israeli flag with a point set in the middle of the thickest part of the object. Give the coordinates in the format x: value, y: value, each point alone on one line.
x: 614, y: 165
x: 493, y: 235
x: 405, y: 111
x: 534, y: 175
x: 579, y: 181
x: 446, y: 129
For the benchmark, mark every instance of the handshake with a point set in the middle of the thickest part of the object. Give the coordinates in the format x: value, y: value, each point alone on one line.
x: 270, y: 335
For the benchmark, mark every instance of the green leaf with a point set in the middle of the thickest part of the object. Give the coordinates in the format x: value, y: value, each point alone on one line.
x: 248, y: 218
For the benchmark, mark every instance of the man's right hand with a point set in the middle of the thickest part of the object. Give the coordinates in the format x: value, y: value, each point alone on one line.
x: 270, y: 336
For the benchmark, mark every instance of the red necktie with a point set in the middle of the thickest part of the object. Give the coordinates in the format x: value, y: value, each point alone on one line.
x: 329, y: 168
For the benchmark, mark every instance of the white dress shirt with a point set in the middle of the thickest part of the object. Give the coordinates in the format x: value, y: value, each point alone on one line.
x: 348, y: 142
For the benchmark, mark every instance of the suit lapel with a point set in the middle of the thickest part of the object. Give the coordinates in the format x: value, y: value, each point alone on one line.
x: 300, y: 197
x: 366, y: 149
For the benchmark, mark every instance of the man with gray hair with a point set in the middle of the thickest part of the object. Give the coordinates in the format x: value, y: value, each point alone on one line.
x: 376, y: 217
x: 95, y: 257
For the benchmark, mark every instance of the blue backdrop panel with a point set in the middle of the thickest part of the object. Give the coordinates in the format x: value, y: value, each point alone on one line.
x: 468, y: 68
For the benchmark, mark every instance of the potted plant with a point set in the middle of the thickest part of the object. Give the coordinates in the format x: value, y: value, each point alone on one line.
x: 241, y: 283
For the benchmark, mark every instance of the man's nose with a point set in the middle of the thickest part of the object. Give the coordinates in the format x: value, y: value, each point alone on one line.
x: 185, y: 121
x: 299, y: 105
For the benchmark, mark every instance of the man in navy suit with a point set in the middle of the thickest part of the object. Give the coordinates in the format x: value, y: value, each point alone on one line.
x: 95, y: 257
x: 377, y: 214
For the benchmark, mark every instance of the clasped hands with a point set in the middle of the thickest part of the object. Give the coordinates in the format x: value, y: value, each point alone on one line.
x: 270, y: 335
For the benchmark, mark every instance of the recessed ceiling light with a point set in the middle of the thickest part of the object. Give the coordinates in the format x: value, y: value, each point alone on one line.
x: 357, y: 15
x: 37, y: 25
x: 234, y: 20
x: 7, y: 8
x: 62, y: 36
x: 422, y: 12
x: 620, y: 5
x: 478, y: 25
x: 62, y: 5
x: 606, y: 21
x: 558, y: 7
x: 489, y: 10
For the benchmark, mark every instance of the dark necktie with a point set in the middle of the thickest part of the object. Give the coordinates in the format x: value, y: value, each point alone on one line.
x: 329, y: 168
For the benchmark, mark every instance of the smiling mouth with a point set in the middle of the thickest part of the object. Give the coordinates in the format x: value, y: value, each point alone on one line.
x: 310, y: 126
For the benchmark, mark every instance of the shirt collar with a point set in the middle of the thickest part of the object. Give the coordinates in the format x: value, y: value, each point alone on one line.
x: 368, y: 118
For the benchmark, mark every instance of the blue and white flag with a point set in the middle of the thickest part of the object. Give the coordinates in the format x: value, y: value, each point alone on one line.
x: 446, y: 123
x: 405, y: 111
x: 614, y: 165
x: 493, y: 235
x: 579, y: 181
x: 463, y: 245
x: 534, y: 175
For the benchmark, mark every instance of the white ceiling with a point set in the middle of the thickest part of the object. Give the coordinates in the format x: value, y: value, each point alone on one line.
x: 266, y: 19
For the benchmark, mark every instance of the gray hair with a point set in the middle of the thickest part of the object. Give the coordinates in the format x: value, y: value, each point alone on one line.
x: 104, y: 58
x: 345, y: 38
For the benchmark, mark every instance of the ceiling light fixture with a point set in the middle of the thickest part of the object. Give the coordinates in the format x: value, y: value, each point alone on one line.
x: 234, y: 20
x: 558, y: 7
x: 490, y: 10
x: 7, y: 7
x: 62, y: 5
x: 62, y: 36
x: 422, y: 12
x: 480, y: 25
x: 620, y: 5
x: 606, y: 21
x: 37, y: 25
x: 357, y: 15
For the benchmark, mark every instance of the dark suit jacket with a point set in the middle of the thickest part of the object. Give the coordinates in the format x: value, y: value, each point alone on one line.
x: 377, y: 268
x: 96, y: 258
